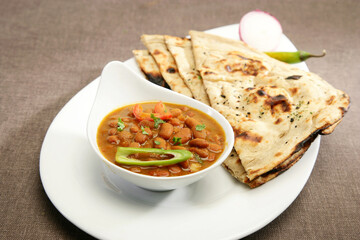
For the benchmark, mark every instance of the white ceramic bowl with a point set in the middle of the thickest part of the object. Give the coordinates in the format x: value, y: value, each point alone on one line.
x: 120, y: 86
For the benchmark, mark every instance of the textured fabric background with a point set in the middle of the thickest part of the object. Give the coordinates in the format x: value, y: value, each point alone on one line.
x: 49, y: 50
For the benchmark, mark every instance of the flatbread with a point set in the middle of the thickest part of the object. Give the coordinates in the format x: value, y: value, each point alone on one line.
x: 166, y: 63
x: 272, y: 106
x: 234, y: 166
x: 149, y: 67
x: 181, y: 50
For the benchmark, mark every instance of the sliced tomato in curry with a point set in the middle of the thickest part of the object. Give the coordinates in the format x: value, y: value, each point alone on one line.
x: 159, y: 112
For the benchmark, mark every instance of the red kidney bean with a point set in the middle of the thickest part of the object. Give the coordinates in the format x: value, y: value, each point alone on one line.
x: 135, y: 169
x: 191, y: 122
x: 214, y: 148
x: 134, y: 129
x: 198, y: 134
x: 175, y: 121
x: 211, y: 157
x: 166, y: 130
x: 175, y: 169
x: 140, y: 138
x: 147, y: 123
x: 213, y: 137
x: 175, y: 112
x: 202, y: 152
x: 184, y: 134
x: 178, y: 148
x: 161, y: 141
x: 198, y: 142
x: 112, y: 131
x: 185, y: 164
x: 113, y: 139
x: 134, y: 145
x: 113, y: 124
x: 125, y: 135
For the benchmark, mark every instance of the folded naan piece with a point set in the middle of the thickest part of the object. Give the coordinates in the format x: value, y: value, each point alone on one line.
x: 149, y: 67
x: 234, y: 166
x: 166, y: 63
x: 181, y: 50
x: 273, y: 107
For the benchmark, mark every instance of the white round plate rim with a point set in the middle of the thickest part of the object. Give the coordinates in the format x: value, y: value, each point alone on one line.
x: 75, y: 183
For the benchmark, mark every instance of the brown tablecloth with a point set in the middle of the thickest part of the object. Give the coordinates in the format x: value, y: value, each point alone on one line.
x: 52, y: 49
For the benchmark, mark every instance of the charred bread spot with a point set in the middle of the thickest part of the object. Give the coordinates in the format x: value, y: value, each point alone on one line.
x: 171, y: 70
x: 246, y: 66
x: 155, y: 78
x: 156, y: 52
x: 279, y: 120
x: 343, y: 110
x: 307, y: 140
x: 293, y: 77
x: 249, y: 136
x: 249, y: 89
x: 261, y: 93
x: 228, y: 68
x: 278, y: 154
x: 279, y: 100
x: 330, y: 100
x: 293, y: 90
x: 254, y: 99
x: 208, y: 73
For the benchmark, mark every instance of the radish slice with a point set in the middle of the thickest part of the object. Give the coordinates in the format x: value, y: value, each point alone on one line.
x: 260, y: 30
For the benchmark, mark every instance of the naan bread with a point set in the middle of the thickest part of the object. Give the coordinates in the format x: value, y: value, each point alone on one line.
x: 181, y: 50
x: 272, y: 106
x: 234, y: 166
x: 166, y: 63
x: 149, y: 67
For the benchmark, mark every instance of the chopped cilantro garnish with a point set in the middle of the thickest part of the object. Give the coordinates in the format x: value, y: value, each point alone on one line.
x: 200, y: 127
x: 199, y: 77
x: 143, y: 131
x: 197, y: 158
x: 157, y: 120
x: 157, y: 142
x: 120, y: 124
x: 177, y: 140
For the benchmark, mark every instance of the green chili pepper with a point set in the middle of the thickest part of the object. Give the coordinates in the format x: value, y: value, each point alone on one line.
x: 293, y: 57
x: 123, y: 152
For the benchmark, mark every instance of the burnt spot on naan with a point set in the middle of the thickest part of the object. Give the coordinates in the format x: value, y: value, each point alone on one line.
x: 261, y: 92
x: 330, y: 100
x: 208, y: 73
x: 343, y: 110
x: 171, y: 70
x: 293, y: 77
x: 156, y: 52
x: 279, y: 120
x: 278, y: 103
x: 278, y: 154
x: 235, y: 62
x: 293, y: 91
x: 248, y: 136
x: 249, y: 89
x: 155, y: 78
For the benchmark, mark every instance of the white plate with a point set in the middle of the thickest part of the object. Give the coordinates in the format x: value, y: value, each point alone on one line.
x: 216, y: 207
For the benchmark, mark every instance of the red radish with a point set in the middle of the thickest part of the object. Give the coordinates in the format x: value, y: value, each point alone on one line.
x: 260, y: 30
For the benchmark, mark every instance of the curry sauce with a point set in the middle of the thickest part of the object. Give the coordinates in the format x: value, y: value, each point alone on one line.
x: 164, y: 126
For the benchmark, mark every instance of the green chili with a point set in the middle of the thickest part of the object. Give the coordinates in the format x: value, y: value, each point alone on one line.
x: 123, y: 152
x: 293, y: 57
